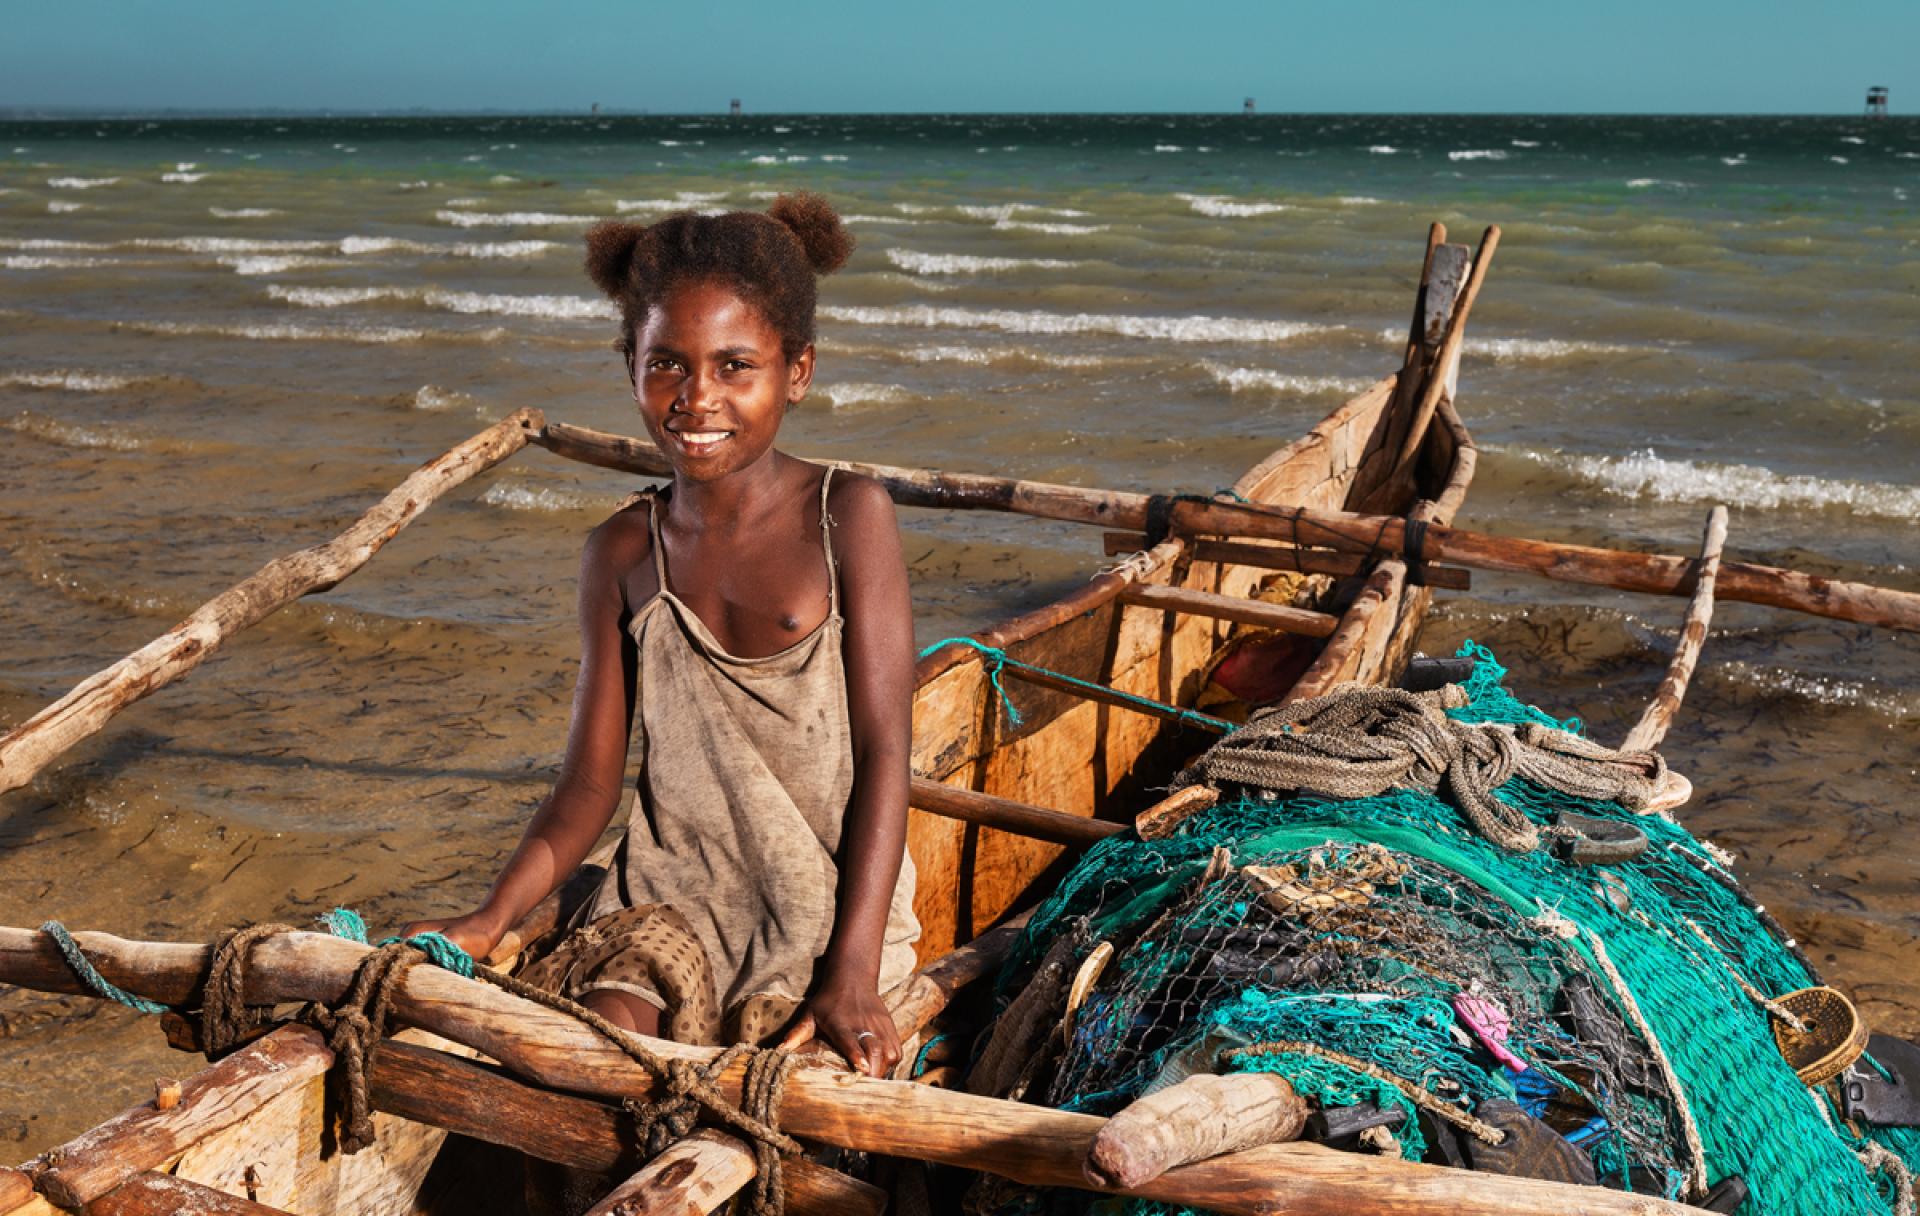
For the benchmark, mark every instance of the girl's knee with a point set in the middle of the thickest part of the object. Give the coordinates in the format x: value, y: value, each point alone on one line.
x: 624, y: 1010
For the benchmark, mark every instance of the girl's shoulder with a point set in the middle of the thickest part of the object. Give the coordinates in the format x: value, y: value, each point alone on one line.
x: 857, y: 500
x: 622, y: 545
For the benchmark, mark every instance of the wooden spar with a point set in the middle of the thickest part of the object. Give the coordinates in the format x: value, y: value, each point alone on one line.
x: 34, y: 744
x: 1110, y: 696
x: 15, y: 1189
x: 1228, y: 608
x: 691, y: 1178
x: 1158, y: 821
x: 932, y: 988
x: 1652, y: 726
x: 152, y: 1193
x: 147, y: 1137
x: 487, y: 1103
x: 1283, y: 557
x: 1203, y: 1116
x: 1368, y: 535
x: 1440, y: 374
x: 1005, y: 814
x: 1029, y: 1144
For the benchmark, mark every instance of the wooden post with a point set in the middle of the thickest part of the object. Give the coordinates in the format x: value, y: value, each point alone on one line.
x: 35, y: 743
x: 1440, y: 375
x: 1228, y: 608
x: 1200, y: 1117
x: 1005, y: 814
x: 1652, y: 727
x: 691, y: 1178
x: 1029, y: 1144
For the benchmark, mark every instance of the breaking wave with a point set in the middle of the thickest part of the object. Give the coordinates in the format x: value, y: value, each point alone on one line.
x: 517, y: 496
x: 1246, y: 379
x: 1172, y: 329
x: 846, y: 396
x: 71, y: 435
x: 960, y: 263
x: 1644, y: 474
x: 72, y: 382
x: 532, y: 219
x: 80, y: 183
x: 378, y: 334
x: 1223, y: 207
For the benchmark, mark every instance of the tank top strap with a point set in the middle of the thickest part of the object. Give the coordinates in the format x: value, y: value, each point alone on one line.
x: 653, y: 529
x: 826, y: 544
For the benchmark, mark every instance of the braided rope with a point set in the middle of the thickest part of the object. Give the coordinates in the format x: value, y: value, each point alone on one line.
x: 1480, y: 1130
x: 89, y: 975
x: 997, y: 659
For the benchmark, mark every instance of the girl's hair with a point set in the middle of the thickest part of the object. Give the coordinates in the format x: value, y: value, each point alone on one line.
x: 772, y: 260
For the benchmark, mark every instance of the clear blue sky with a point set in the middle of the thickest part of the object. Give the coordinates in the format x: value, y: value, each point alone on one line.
x: 1739, y: 56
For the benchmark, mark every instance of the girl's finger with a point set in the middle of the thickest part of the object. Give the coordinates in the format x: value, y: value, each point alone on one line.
x: 801, y: 1031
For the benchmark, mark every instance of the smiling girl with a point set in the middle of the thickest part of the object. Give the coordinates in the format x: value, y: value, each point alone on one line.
x: 748, y: 627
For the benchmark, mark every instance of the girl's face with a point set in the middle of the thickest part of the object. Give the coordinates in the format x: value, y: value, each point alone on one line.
x: 712, y: 381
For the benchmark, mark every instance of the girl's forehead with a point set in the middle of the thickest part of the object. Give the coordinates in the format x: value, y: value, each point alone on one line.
x: 706, y: 309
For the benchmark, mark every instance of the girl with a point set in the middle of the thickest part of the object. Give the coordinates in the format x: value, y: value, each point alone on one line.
x: 754, y: 616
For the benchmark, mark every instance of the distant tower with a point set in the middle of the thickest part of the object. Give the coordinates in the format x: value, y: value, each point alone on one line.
x: 1877, y: 101
x: 734, y: 109
x: 1248, y: 108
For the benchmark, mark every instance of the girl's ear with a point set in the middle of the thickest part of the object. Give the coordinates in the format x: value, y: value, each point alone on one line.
x: 800, y: 376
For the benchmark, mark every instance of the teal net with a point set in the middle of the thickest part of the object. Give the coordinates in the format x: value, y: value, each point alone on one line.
x: 1338, y: 942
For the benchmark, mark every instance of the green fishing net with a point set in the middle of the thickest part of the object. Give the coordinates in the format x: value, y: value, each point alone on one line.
x: 1334, y: 942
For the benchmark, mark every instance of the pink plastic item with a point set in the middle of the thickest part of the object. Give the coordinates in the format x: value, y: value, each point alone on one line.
x: 1490, y: 1024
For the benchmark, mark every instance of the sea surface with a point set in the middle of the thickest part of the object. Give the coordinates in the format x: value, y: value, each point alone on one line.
x: 221, y: 340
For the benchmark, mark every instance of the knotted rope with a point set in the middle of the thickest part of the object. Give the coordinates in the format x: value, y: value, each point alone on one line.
x: 1360, y: 741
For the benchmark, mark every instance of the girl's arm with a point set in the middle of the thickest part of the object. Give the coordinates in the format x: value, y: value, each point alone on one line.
x: 844, y: 1007
x: 563, y: 830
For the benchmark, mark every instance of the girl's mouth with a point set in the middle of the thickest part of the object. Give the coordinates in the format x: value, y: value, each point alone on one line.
x: 700, y: 442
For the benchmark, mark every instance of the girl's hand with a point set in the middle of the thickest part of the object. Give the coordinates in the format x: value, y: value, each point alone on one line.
x: 476, y: 933
x: 852, y: 1020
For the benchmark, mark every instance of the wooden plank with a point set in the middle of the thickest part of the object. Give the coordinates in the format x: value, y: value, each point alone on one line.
x: 1652, y: 726
x: 1108, y: 696
x: 15, y: 1189
x: 1284, y: 558
x: 988, y: 810
x: 35, y: 743
x: 150, y: 1193
x: 1227, y: 608
x: 227, y: 1094
x: 1440, y: 376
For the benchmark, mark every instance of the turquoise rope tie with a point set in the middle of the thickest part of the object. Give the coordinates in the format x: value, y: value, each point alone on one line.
x: 91, y: 977
x: 997, y: 659
x: 440, y: 951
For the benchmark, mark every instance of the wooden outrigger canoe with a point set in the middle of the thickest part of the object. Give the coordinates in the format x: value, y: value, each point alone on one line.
x: 1107, y: 682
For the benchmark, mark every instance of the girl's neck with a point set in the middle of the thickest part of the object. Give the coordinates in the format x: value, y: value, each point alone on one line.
x: 736, y: 498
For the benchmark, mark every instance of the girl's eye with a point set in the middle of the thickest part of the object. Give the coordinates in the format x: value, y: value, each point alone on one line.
x: 662, y: 365
x: 738, y: 365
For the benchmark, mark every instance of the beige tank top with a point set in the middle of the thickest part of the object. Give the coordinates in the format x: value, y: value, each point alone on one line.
x: 746, y: 766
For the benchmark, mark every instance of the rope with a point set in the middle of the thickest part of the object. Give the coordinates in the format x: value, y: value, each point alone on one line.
x: 1696, y: 1152
x: 1878, y: 1160
x: 1358, y: 742
x: 1480, y: 1130
x: 997, y: 659
x: 91, y: 977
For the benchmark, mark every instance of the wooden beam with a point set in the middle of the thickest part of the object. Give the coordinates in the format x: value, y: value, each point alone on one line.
x: 146, y: 1137
x: 933, y: 987
x: 1653, y: 724
x: 1203, y: 1116
x: 1112, y: 696
x: 35, y: 743
x: 990, y: 811
x: 1283, y: 557
x: 691, y: 1178
x: 151, y: 1193
x: 1029, y: 1144
x: 1230, y: 608
x: 15, y: 1189
x: 1158, y: 821
x: 1440, y: 372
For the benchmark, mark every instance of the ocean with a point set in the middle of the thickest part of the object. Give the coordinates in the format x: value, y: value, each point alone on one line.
x: 222, y: 339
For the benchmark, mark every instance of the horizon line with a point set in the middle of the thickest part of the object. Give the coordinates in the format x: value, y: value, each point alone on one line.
x: 31, y: 113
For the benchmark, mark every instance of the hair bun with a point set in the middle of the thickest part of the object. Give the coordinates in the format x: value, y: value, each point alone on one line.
x: 610, y: 246
x: 821, y: 233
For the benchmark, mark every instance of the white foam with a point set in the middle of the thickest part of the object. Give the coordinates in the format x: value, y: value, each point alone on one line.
x: 832, y: 157
x: 480, y: 219
x: 960, y: 263
x: 1358, y: 200
x: 433, y: 397
x: 80, y: 183
x: 1383, y: 149
x: 335, y: 297
x: 1851, y: 139
x: 40, y: 261
x: 179, y: 178
x: 625, y: 205
x: 231, y: 244
x: 242, y: 213
x: 378, y: 334
x: 567, y: 308
x: 1822, y: 690
x: 845, y: 396
x: 68, y: 434
x: 1054, y: 229
x: 72, y: 382
x: 1521, y: 350
x: 997, y: 212
x: 502, y: 179
x: 1479, y: 154
x: 58, y: 207
x: 982, y: 356
x: 700, y: 196
x: 1245, y: 379
x: 1525, y: 143
x: 1644, y: 474
x: 1223, y: 207
x: 1173, y: 329
x: 1734, y: 161
x: 358, y: 245
x: 274, y: 263
x: 49, y: 243
x: 1643, y: 183
x: 1839, y: 160
x: 1168, y: 148
x: 422, y: 184
x: 515, y: 496
x: 878, y: 219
